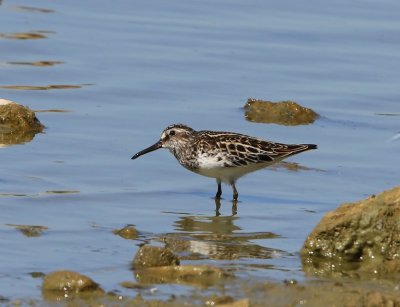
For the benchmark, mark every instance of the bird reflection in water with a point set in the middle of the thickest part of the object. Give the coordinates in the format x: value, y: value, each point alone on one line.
x: 217, y: 237
x: 218, y: 206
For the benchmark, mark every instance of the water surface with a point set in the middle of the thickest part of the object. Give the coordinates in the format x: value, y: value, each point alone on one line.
x: 126, y: 70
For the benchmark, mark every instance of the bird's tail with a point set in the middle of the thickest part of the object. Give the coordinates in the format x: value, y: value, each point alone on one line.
x: 298, y: 148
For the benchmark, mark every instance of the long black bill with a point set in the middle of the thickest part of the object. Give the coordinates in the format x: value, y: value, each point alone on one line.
x: 156, y: 146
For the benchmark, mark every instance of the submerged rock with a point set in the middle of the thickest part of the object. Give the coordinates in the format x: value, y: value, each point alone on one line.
x: 154, y: 256
x: 127, y: 232
x: 360, y: 238
x: 196, y: 275
x: 62, y: 284
x: 37, y: 274
x: 29, y: 230
x: 18, y: 124
x: 288, y: 113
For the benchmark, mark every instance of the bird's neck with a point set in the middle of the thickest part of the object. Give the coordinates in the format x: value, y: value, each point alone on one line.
x: 181, y: 151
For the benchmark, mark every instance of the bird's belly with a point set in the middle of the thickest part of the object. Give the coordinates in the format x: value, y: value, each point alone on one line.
x: 229, y: 174
x: 215, y: 166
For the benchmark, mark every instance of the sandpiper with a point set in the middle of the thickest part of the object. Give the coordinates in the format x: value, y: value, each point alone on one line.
x: 225, y: 156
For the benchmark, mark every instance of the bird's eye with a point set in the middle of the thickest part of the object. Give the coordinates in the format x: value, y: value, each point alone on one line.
x: 172, y: 132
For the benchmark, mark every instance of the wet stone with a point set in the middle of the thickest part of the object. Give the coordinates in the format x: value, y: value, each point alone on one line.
x: 288, y: 113
x: 16, y: 117
x: 18, y: 124
x: 127, y: 232
x: 65, y: 283
x: 29, y: 230
x: 154, y: 256
x: 359, y: 239
x: 37, y: 274
x: 290, y: 282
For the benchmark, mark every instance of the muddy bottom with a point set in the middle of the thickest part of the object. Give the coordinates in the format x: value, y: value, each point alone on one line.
x: 321, y: 292
x: 187, y: 260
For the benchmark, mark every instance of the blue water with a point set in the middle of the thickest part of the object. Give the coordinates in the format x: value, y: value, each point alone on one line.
x: 144, y: 65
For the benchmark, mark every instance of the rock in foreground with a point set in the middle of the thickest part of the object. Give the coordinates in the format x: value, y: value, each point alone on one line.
x: 62, y: 284
x: 359, y: 238
x: 288, y: 113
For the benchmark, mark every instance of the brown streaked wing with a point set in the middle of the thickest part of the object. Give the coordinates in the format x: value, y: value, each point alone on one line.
x: 282, y: 150
x: 249, y: 150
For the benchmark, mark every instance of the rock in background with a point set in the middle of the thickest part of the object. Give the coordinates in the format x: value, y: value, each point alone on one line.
x: 18, y: 124
x: 287, y: 113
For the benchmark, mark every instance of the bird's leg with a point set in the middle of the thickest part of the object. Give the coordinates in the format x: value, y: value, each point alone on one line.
x: 219, y: 191
x: 234, y: 207
x: 235, y: 192
x: 217, y: 206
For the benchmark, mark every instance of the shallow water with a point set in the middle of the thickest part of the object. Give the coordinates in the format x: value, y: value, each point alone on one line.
x: 124, y: 72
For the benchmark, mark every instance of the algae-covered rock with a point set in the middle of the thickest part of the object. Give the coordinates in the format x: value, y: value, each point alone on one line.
x: 68, y: 281
x: 154, y: 256
x: 127, y: 232
x: 18, y: 124
x: 37, y: 274
x: 288, y: 113
x: 17, y: 117
x: 65, y: 284
x: 29, y: 230
x: 359, y: 238
x: 197, y: 275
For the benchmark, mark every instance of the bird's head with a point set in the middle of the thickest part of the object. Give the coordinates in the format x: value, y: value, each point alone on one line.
x: 173, y: 137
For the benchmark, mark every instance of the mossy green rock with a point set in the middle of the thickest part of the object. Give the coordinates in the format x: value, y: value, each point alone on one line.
x: 68, y: 282
x: 17, y: 117
x: 154, y: 256
x: 29, y: 230
x: 288, y: 113
x: 127, y: 232
x: 18, y: 124
x: 359, y: 238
